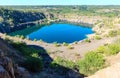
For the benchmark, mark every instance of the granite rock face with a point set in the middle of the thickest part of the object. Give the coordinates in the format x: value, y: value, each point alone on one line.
x: 9, y: 70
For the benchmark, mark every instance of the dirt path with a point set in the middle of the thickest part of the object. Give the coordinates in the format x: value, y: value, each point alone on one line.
x: 71, y: 54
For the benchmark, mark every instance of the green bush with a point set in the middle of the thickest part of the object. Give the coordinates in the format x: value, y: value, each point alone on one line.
x: 61, y: 66
x: 112, y: 49
x: 109, y: 49
x: 65, y: 44
x: 97, y: 37
x: 33, y: 64
x: 24, y: 49
x: 70, y: 47
x: 91, y: 62
x: 56, y: 44
x: 87, y: 40
x: 61, y: 62
x: 101, y: 49
x: 112, y: 33
x: 118, y: 32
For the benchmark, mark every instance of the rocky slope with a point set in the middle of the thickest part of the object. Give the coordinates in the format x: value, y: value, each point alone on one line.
x: 83, y: 20
x: 9, y: 60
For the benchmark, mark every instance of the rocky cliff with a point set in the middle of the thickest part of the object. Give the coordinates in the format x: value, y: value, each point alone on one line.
x: 82, y: 20
x: 9, y: 60
x: 12, y: 20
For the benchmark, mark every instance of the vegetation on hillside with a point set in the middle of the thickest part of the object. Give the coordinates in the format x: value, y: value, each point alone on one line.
x: 32, y: 60
x: 91, y: 62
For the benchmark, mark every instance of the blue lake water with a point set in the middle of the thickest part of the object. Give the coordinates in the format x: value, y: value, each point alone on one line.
x: 60, y: 33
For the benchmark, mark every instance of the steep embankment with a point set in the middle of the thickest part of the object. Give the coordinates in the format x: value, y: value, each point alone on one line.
x: 12, y: 20
x: 9, y: 60
x: 10, y: 51
x: 82, y: 20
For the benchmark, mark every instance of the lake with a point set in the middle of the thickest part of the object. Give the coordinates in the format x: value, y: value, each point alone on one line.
x: 60, y: 33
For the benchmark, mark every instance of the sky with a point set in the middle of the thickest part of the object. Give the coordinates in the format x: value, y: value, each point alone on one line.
x: 59, y: 2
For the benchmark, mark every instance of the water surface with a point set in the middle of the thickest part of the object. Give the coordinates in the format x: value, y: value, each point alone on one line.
x: 60, y: 33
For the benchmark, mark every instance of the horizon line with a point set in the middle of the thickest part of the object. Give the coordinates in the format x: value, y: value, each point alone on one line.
x: 64, y: 5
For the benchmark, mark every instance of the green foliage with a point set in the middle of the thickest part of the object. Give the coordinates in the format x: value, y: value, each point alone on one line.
x: 22, y: 37
x: 61, y: 62
x: 109, y: 49
x: 101, y: 49
x: 112, y: 49
x: 35, y: 40
x: 61, y: 66
x: 87, y: 40
x: 56, y: 44
x: 118, y: 32
x: 70, y: 47
x: 91, y: 62
x: 22, y: 47
x: 112, y: 33
x: 65, y: 44
x: 33, y: 64
x: 1, y: 19
x: 97, y: 37
x: 75, y: 42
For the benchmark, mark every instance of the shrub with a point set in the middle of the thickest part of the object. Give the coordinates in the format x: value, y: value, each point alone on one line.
x: 101, y: 49
x: 109, y: 49
x: 33, y: 64
x: 112, y: 33
x: 24, y: 49
x: 22, y: 37
x: 112, y: 49
x: 65, y: 44
x: 87, y: 40
x: 75, y: 42
x: 59, y: 61
x: 91, y: 62
x: 35, y: 40
x: 56, y: 44
x: 118, y: 32
x: 97, y: 37
x: 61, y: 66
x: 70, y: 47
